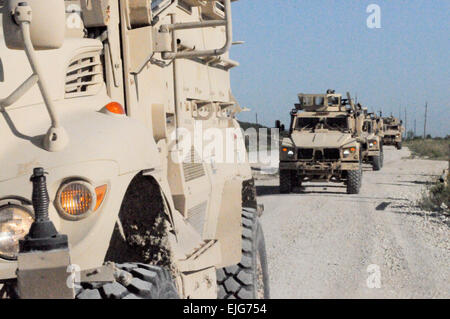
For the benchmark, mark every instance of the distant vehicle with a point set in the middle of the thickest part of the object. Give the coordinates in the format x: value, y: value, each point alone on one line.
x: 373, y: 145
x: 323, y: 143
x: 393, y: 131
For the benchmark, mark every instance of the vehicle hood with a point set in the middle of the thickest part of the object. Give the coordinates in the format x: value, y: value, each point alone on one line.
x: 324, y: 140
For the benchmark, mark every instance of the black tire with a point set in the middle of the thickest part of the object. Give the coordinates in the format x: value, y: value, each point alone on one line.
x: 286, y: 178
x: 244, y: 280
x: 382, y: 157
x: 399, y: 145
x: 134, y: 281
x: 354, y: 181
x: 376, y: 162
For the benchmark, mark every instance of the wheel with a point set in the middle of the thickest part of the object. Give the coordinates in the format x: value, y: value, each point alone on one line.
x: 354, y: 181
x: 286, y: 184
x: 250, y: 278
x: 134, y: 281
x: 399, y: 145
x: 382, y: 157
x: 376, y: 162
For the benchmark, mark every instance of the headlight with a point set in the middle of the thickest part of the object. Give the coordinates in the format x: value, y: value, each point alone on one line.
x: 288, y: 151
x: 15, y: 222
x: 78, y: 199
x: 373, y: 143
x: 349, y: 151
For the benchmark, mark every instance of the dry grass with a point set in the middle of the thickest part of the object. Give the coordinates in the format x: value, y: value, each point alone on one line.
x: 437, y: 199
x: 436, y: 149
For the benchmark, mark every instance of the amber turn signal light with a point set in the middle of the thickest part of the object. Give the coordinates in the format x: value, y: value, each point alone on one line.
x: 100, y: 192
x: 115, y: 108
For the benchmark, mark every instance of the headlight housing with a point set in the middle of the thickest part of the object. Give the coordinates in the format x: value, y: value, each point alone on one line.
x: 288, y: 152
x: 373, y: 143
x: 76, y: 199
x: 347, y: 152
x: 15, y: 223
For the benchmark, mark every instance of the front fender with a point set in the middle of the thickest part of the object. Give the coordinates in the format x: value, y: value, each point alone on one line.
x: 92, y: 135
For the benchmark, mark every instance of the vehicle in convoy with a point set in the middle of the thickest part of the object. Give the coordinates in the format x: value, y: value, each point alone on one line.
x: 322, y: 145
x: 373, y: 153
x: 393, y: 131
x: 96, y: 99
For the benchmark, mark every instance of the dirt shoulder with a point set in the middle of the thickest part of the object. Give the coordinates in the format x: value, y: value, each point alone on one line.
x: 323, y: 243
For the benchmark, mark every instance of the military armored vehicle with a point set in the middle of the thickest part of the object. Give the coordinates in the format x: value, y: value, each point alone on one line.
x: 322, y: 145
x: 393, y: 132
x: 98, y: 99
x: 373, y: 145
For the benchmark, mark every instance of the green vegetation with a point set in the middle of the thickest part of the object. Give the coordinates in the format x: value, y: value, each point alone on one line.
x: 436, y: 148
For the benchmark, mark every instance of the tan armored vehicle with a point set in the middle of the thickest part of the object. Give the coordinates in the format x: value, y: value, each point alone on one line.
x: 322, y: 144
x: 98, y: 100
x: 372, y: 146
x: 393, y: 131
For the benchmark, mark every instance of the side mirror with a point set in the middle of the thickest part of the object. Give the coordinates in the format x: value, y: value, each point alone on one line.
x: 282, y: 128
x: 277, y: 124
x: 47, y: 27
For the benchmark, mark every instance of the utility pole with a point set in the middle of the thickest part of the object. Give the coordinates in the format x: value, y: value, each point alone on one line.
x: 406, y: 123
x: 256, y: 118
x: 415, y: 131
x: 425, y: 124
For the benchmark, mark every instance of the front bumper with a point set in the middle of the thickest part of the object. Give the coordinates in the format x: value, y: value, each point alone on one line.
x: 311, y: 168
x: 391, y: 140
x: 374, y: 153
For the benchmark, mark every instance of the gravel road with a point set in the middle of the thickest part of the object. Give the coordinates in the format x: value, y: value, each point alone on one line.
x: 323, y: 243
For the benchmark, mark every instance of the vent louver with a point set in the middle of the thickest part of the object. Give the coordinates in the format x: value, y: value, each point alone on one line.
x: 197, y: 216
x: 193, y: 166
x: 84, y: 75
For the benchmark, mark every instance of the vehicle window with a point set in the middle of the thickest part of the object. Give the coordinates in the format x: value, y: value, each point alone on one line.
x: 307, y: 101
x: 159, y: 5
x: 367, y: 127
x: 337, y: 123
x: 319, y: 100
x: 304, y: 123
x: 333, y: 101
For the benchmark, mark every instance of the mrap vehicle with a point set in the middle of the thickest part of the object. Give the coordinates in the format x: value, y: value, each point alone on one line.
x: 393, y: 132
x: 322, y: 145
x: 100, y: 196
x: 373, y: 152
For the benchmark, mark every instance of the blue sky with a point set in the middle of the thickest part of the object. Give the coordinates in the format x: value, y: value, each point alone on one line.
x: 308, y: 46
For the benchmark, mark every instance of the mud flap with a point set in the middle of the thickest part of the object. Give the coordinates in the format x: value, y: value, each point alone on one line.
x: 44, y: 275
x: 229, y: 226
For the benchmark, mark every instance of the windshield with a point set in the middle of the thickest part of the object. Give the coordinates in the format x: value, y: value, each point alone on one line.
x: 367, y: 127
x: 392, y: 127
x: 312, y: 100
x: 328, y: 123
x: 333, y: 100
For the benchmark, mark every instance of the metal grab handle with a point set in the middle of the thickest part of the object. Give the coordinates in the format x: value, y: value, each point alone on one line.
x: 197, y: 25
